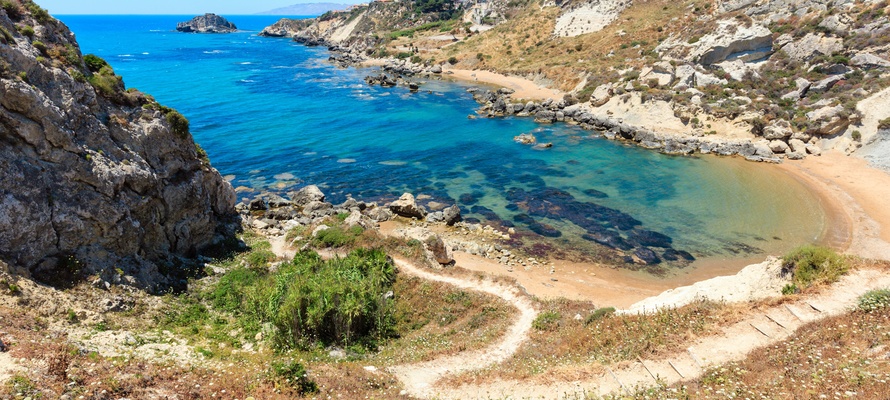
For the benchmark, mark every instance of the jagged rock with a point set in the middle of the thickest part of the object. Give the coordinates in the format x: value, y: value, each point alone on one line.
x: 778, y: 146
x: 813, y: 45
x: 802, y: 86
x: 762, y: 149
x: 796, y: 155
x: 866, y: 60
x: 81, y: 194
x: 777, y: 129
x: 317, y: 209
x: 407, y: 207
x: 545, y: 117
x: 436, y: 69
x: 601, y: 95
x: 207, y: 23
x: 307, y: 195
x: 797, y: 146
x: 825, y: 84
x: 814, y: 150
x: 733, y: 41
x: 662, y: 72
x: 703, y: 79
x: 685, y: 75
x: 276, y: 201
x: 440, y: 252
x: 451, y: 215
x: 380, y: 214
x: 356, y: 218
x: 646, y: 256
x: 836, y: 23
x: 257, y: 205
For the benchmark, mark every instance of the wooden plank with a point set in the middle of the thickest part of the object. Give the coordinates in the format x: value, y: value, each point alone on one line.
x: 759, y: 330
x: 793, y: 313
x: 695, y: 358
x: 619, y: 382
x: 676, y: 370
x: 776, y: 322
x: 647, y: 369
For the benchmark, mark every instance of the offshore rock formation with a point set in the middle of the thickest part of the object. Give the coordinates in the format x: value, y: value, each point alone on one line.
x: 97, y: 181
x: 207, y: 23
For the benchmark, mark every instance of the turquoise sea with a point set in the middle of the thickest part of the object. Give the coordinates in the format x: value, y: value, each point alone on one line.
x: 275, y: 115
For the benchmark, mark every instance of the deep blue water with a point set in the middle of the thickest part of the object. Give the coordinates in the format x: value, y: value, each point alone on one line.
x: 273, y: 114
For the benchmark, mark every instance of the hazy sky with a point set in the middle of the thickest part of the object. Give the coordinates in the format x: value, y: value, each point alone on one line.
x: 230, y: 7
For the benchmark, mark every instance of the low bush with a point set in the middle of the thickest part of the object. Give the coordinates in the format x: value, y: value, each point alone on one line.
x: 293, y: 374
x: 337, y: 236
x: 12, y: 9
x: 547, y: 320
x: 94, y: 63
x: 599, y: 314
x: 179, y: 124
x: 812, y: 265
x: 884, y: 123
x: 875, y: 300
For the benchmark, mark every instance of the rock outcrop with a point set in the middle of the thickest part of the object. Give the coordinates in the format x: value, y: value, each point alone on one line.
x: 96, y: 181
x: 207, y: 23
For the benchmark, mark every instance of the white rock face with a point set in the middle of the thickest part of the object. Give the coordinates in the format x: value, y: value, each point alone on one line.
x: 589, y: 17
x: 753, y: 282
x: 732, y: 41
x: 813, y: 45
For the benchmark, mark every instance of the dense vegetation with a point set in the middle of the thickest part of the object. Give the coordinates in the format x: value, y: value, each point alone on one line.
x: 812, y: 265
x: 310, y: 301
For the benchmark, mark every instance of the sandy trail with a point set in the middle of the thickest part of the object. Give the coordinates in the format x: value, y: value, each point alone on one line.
x: 524, y: 88
x: 419, y: 378
x: 732, y: 344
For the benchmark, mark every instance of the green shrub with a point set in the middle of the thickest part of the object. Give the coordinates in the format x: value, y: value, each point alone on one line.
x: 856, y: 135
x: 27, y: 30
x: 107, y: 85
x: 294, y: 375
x: 874, y: 300
x: 5, y: 36
x: 452, y: 60
x: 40, y: 46
x: 337, y: 236
x: 94, y: 63
x: 546, y: 321
x: 598, y: 314
x: 884, y: 123
x: 40, y: 14
x: 12, y: 9
x: 179, y: 124
x: 790, y: 289
x: 260, y: 258
x: 811, y: 265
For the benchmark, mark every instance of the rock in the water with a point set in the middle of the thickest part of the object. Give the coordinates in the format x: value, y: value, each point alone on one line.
x: 646, y: 256
x: 407, y: 207
x: 207, y: 23
x: 307, y: 195
x: 525, y: 138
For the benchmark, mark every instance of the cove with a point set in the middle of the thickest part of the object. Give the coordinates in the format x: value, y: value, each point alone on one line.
x: 274, y: 115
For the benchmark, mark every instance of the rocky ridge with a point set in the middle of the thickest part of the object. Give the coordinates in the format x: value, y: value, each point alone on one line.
x: 98, y: 181
x: 207, y: 23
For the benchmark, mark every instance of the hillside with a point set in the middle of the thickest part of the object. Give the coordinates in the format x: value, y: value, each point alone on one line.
x: 784, y: 76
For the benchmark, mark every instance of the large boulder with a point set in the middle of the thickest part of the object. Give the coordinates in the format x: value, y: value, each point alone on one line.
x: 207, y: 23
x: 439, y: 250
x: 451, y: 215
x: 777, y: 129
x: 407, y: 207
x: 307, y: 195
x: 97, y: 181
x: 866, y: 60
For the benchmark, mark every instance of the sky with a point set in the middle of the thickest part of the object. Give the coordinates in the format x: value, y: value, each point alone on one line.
x: 179, y: 7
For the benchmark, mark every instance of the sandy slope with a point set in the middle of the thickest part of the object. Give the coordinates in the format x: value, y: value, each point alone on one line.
x: 525, y: 89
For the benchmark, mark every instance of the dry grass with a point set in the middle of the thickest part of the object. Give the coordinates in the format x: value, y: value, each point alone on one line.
x: 562, y: 345
x: 840, y: 357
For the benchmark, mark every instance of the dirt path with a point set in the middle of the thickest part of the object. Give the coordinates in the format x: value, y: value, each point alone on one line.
x: 732, y: 344
x: 419, y: 379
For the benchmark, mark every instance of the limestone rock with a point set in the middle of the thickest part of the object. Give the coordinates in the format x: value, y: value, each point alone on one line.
x: 307, y: 195
x: 798, y: 146
x: 601, y: 95
x: 439, y: 250
x: 207, y: 23
x: 866, y: 60
x: 93, y: 181
x: 802, y: 86
x: 407, y: 207
x: 778, y: 146
x: 825, y: 84
x: 813, y: 45
x: 451, y: 215
x: 777, y: 129
x: 733, y: 41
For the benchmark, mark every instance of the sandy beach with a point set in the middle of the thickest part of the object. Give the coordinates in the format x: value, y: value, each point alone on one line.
x: 524, y: 88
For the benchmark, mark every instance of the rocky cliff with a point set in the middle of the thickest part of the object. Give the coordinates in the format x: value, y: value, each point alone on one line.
x: 97, y: 181
x: 207, y: 23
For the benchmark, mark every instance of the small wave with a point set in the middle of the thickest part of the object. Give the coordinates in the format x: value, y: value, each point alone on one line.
x: 393, y: 163
x: 247, y: 81
x: 285, y: 176
x: 156, y: 30
x: 214, y: 52
x: 346, y: 160
x: 246, y: 63
x: 125, y: 55
x: 309, y: 153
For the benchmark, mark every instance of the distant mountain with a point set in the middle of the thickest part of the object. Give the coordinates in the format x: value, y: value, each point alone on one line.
x: 306, y: 9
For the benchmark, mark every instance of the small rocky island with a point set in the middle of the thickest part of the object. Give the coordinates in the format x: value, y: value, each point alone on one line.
x: 207, y: 23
